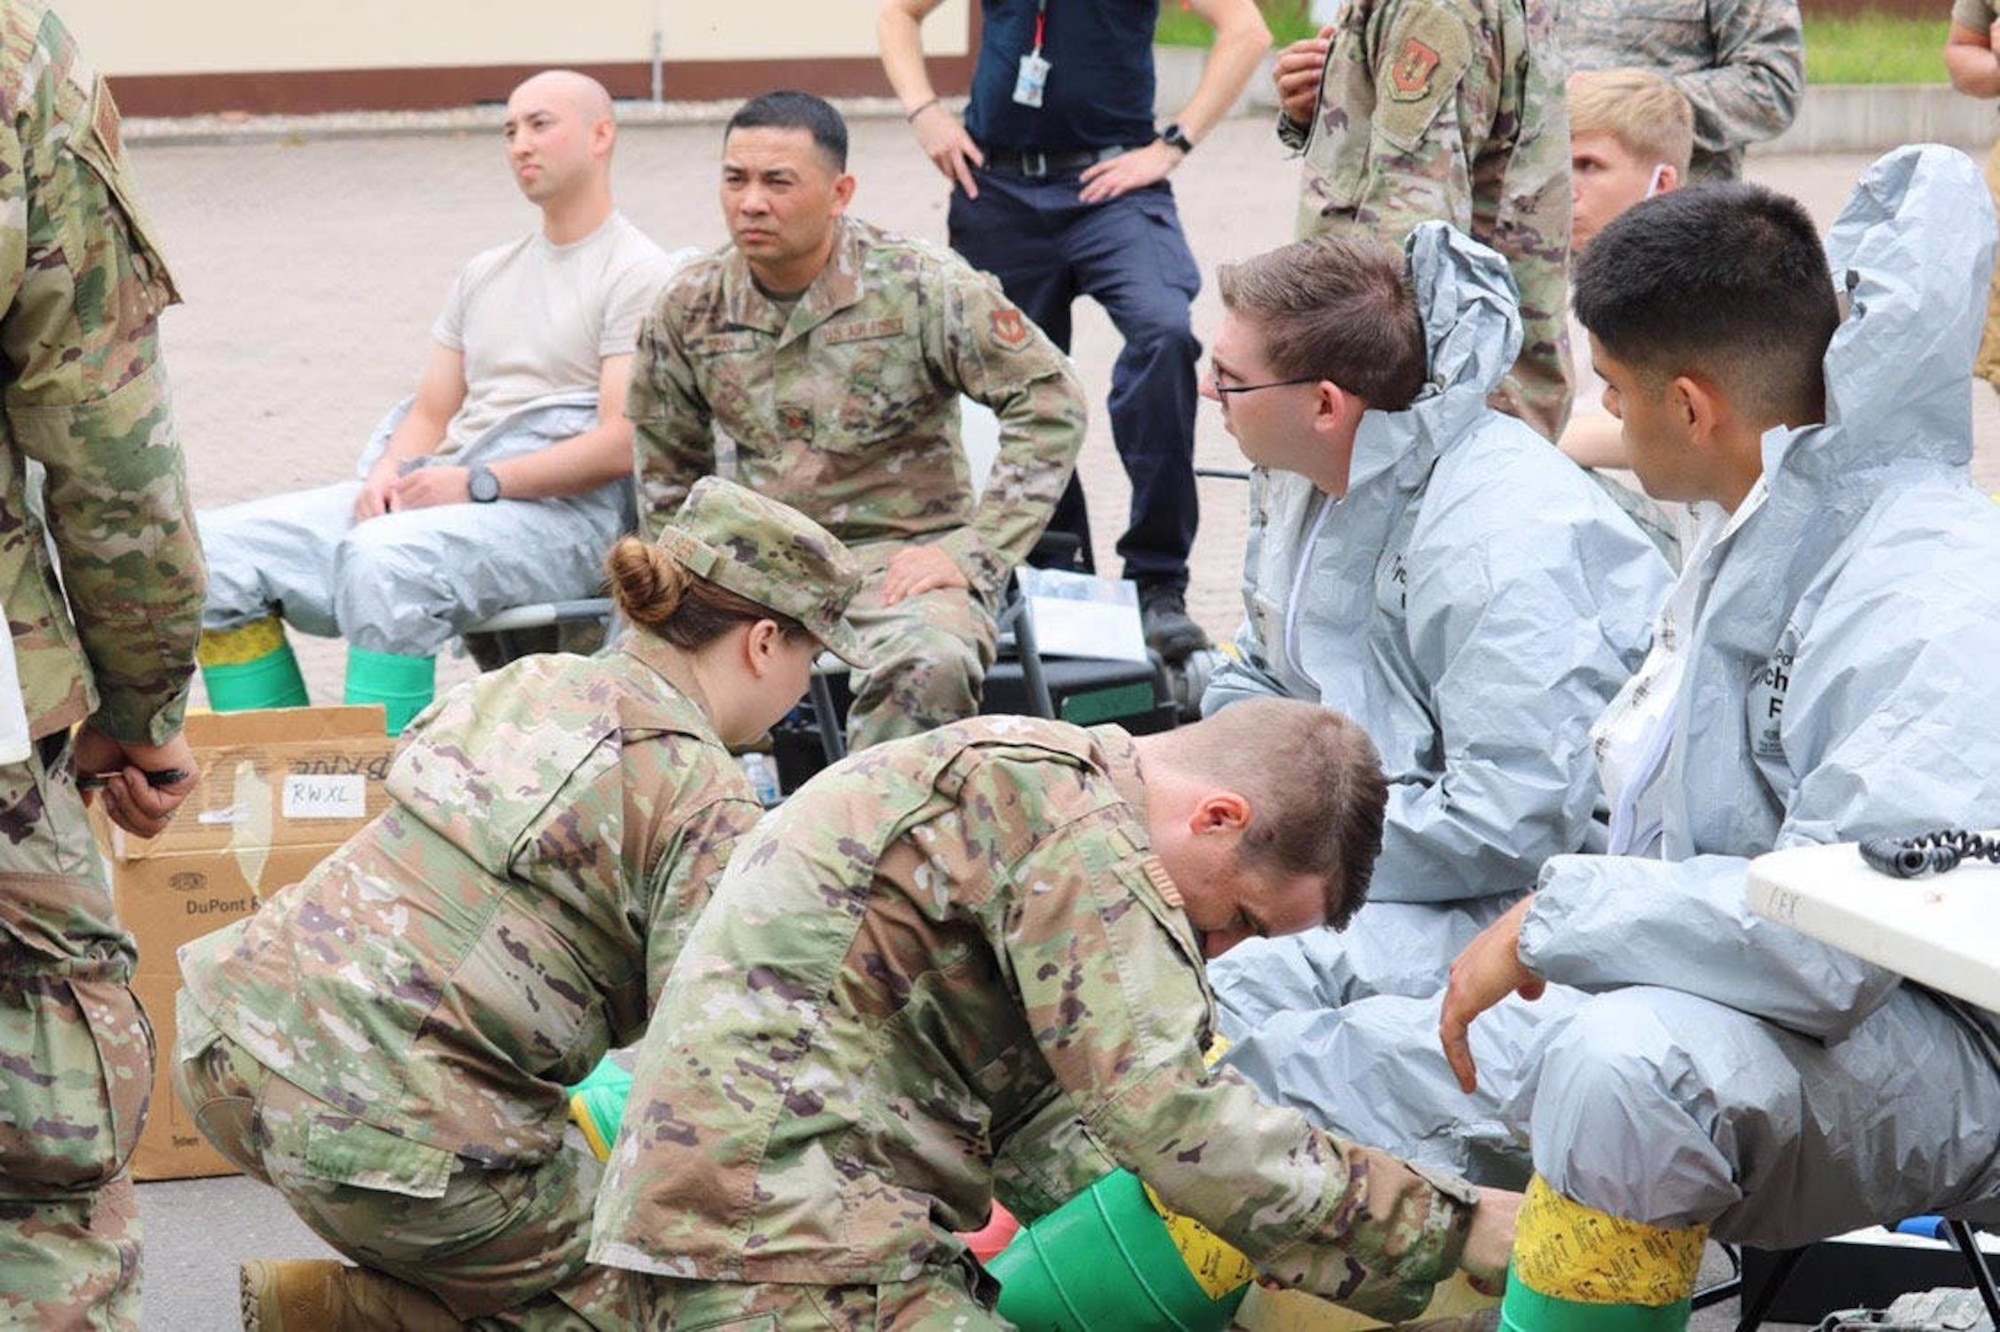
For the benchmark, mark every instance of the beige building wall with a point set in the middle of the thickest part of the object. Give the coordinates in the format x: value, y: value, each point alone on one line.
x: 757, y: 30
x: 183, y: 37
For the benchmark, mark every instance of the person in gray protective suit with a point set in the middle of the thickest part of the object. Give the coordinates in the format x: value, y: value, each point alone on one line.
x: 502, y: 482
x: 1691, y: 1066
x: 1429, y: 566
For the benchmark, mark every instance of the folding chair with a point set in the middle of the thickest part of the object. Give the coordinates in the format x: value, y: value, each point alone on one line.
x: 549, y: 626
x: 1021, y: 680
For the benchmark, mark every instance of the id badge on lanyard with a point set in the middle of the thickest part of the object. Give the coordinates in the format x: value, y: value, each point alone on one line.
x: 1033, y: 77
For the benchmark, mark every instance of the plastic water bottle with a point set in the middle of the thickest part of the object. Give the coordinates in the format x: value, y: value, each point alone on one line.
x: 763, y: 775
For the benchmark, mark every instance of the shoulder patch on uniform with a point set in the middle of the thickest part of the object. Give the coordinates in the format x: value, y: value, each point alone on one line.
x: 1415, y: 66
x: 1418, y: 68
x: 1010, y: 329
x: 859, y: 330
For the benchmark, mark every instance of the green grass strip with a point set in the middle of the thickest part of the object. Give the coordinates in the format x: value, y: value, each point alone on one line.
x: 1867, y: 48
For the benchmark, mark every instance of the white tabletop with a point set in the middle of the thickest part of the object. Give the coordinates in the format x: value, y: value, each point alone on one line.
x: 1942, y: 930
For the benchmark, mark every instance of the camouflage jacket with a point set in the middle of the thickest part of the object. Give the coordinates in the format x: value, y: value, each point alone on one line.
x: 1455, y: 111
x: 907, y: 964
x: 86, y: 397
x: 1741, y: 64
x: 849, y: 410
x: 556, y: 826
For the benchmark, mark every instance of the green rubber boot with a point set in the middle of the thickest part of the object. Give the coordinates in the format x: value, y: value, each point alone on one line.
x: 403, y: 685
x: 597, y: 1104
x: 1107, y: 1258
x: 1525, y: 1309
x: 251, y: 667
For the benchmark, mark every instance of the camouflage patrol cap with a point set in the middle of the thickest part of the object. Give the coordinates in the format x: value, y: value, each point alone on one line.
x: 773, y: 555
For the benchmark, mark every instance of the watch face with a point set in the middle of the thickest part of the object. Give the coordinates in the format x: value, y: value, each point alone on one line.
x: 485, y: 486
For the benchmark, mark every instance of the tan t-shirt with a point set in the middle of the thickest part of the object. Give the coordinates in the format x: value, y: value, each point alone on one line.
x: 532, y: 318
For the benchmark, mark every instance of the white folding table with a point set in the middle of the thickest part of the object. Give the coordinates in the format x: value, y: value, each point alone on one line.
x: 1942, y: 930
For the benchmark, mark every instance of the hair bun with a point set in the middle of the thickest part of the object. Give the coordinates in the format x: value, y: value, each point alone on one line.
x: 647, y: 582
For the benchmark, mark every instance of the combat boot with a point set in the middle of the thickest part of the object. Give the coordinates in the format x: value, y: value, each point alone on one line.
x: 1169, y: 631
x: 319, y: 1295
x: 1483, y: 1320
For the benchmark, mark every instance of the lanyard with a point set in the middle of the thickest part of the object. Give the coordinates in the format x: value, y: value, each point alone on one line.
x: 1041, y: 24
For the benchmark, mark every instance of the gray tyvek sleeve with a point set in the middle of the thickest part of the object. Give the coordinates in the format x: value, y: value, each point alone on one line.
x: 1513, y: 643
x: 1886, y: 736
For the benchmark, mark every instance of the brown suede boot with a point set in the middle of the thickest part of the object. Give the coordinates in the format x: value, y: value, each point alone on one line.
x: 319, y: 1295
x: 1482, y: 1320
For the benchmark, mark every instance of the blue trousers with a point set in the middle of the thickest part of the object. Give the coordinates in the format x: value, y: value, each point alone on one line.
x: 1130, y: 256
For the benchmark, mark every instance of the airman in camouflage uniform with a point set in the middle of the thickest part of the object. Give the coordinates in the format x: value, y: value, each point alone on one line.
x: 845, y: 403
x: 1740, y: 63
x: 957, y: 940
x: 110, y: 645
x: 388, y: 1041
x: 1453, y: 110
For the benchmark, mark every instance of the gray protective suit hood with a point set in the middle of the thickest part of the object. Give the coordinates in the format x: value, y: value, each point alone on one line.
x: 1472, y: 333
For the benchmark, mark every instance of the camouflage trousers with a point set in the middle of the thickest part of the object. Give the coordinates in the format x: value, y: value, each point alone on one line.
x: 76, y: 1063
x: 931, y: 654
x: 1987, y: 367
x: 942, y: 1301
x: 501, y: 1248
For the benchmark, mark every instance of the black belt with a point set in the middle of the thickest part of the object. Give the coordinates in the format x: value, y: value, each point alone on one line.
x: 1038, y: 165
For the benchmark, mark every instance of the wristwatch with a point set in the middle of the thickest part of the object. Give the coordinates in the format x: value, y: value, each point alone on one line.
x: 1175, y: 137
x: 482, y: 484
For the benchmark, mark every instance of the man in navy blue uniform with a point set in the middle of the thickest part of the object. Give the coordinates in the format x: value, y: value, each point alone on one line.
x: 1060, y: 191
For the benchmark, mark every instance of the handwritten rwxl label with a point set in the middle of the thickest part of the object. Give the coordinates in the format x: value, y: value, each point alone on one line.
x: 325, y: 796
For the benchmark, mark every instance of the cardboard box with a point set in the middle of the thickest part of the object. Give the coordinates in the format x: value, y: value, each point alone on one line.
x: 279, y: 791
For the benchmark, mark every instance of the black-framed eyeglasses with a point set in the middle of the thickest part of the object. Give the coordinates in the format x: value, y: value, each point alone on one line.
x: 1223, y: 392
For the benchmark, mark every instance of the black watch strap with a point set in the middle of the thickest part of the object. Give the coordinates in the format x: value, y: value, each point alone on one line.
x: 1175, y: 137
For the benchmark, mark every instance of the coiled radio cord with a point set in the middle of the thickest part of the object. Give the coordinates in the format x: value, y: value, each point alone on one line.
x: 1928, y: 853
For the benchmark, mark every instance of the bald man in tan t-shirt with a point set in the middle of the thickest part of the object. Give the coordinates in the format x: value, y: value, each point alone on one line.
x: 502, y: 482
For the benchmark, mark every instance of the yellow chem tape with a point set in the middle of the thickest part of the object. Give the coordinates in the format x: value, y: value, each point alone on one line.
x: 1215, y: 1266
x: 1578, y: 1253
x: 233, y: 647
x: 586, y: 1122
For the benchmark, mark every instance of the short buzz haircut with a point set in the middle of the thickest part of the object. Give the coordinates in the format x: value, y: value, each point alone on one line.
x: 1648, y: 116
x: 1727, y: 282
x: 1337, y: 309
x: 1315, y: 784
x: 787, y: 109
